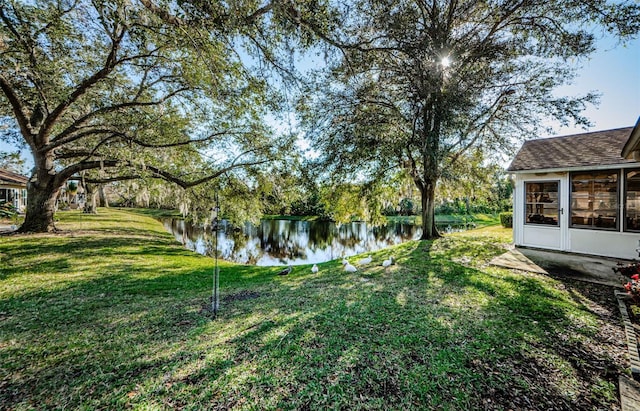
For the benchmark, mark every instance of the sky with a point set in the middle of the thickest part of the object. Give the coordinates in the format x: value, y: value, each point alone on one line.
x: 615, y: 73
x: 613, y: 70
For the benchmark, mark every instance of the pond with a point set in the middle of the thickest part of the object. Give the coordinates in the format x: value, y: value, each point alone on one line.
x: 284, y: 242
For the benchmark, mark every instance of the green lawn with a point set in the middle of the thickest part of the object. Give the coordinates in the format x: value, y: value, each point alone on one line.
x: 480, y: 220
x: 112, y: 313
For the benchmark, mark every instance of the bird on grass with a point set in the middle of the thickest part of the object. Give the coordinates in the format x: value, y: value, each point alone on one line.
x: 314, y: 269
x: 349, y: 268
x: 387, y: 262
x: 344, y: 261
x: 286, y: 271
x: 365, y: 261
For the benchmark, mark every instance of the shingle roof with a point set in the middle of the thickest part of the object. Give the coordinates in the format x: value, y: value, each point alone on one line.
x: 579, y: 150
x: 9, y: 177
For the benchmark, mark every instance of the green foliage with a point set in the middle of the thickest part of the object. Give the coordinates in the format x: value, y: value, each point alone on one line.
x: 406, y: 207
x: 8, y: 210
x: 506, y: 219
x: 12, y: 161
x: 389, y: 102
x: 474, y: 185
x: 127, y: 90
x: 343, y: 203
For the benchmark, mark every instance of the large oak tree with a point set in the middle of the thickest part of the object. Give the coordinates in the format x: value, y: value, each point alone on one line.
x: 418, y: 83
x: 132, y: 89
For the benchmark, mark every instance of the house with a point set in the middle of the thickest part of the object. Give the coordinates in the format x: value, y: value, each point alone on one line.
x: 579, y: 193
x: 13, y: 189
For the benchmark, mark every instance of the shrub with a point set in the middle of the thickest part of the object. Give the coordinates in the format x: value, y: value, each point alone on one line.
x: 506, y: 219
x: 406, y: 207
x: 7, y: 210
x: 72, y: 187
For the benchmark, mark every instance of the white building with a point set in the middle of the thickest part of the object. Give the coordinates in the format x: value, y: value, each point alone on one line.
x: 579, y: 193
x: 13, y: 189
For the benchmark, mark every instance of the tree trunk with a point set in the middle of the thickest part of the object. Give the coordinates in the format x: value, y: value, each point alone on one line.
x: 90, y: 194
x: 428, y: 194
x: 102, y: 196
x: 41, y: 202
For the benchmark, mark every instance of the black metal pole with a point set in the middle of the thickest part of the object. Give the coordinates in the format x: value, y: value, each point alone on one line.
x: 215, y: 298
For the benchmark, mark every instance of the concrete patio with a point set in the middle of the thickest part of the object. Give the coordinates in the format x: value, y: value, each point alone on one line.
x: 576, y: 266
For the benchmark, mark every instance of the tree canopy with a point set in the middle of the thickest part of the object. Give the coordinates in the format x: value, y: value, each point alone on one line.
x: 179, y: 90
x: 126, y: 89
x: 417, y: 84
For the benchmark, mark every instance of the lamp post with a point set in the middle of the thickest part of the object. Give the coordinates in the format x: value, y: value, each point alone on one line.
x: 215, y: 297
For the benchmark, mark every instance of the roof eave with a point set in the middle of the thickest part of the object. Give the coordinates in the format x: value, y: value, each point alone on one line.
x: 578, y: 168
x: 633, y: 144
x: 12, y: 185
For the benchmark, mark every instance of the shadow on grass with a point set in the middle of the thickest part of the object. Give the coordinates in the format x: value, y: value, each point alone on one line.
x: 553, y: 326
x: 425, y: 333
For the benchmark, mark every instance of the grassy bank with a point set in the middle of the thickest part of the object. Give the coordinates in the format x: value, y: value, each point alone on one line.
x: 113, y: 314
x: 480, y: 220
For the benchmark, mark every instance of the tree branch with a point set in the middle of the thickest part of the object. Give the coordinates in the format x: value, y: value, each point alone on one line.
x: 67, y: 135
x: 19, y: 109
x: 83, y: 87
x: 157, y: 172
x: 218, y: 20
x: 27, y: 44
x: 473, y: 127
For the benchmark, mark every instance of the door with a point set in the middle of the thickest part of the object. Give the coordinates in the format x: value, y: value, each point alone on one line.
x: 543, y: 214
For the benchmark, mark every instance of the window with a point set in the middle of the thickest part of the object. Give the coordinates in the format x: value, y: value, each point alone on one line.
x: 594, y: 200
x: 6, y: 195
x: 632, y: 200
x: 541, y: 203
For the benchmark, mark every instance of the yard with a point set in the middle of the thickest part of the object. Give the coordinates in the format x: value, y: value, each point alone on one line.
x: 111, y: 313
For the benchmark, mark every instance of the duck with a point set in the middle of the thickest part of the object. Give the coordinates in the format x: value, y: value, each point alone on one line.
x: 387, y: 262
x: 366, y: 260
x: 314, y: 269
x: 286, y: 271
x: 349, y: 268
x: 345, y: 261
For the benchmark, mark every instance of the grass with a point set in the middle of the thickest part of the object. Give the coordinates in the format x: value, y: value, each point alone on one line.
x: 156, y: 212
x: 112, y: 313
x: 481, y: 220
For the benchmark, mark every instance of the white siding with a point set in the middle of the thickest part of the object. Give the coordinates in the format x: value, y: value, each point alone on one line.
x: 617, y: 244
x: 605, y: 243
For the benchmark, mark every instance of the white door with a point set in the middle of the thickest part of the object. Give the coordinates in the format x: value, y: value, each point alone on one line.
x: 543, y: 214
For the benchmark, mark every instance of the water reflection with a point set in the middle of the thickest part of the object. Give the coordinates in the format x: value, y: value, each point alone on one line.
x: 282, y: 242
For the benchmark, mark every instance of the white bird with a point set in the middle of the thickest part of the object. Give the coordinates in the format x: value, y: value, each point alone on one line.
x: 344, y: 261
x: 388, y: 262
x: 349, y: 268
x: 366, y: 260
x: 314, y: 269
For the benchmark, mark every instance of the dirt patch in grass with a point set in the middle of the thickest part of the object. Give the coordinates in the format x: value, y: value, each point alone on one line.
x: 539, y: 383
x: 241, y: 296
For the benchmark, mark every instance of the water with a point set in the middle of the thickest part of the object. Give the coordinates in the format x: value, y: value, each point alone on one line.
x: 283, y: 242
